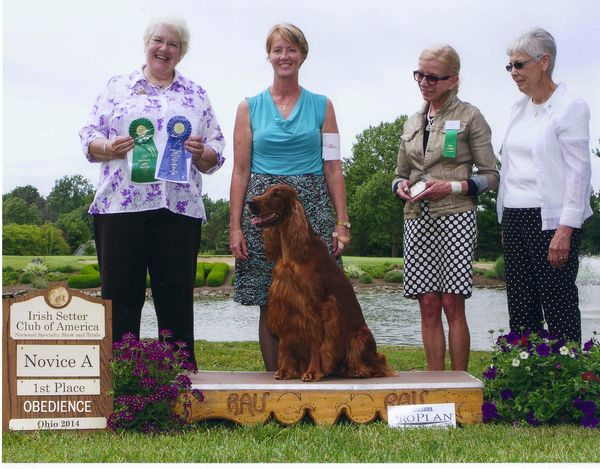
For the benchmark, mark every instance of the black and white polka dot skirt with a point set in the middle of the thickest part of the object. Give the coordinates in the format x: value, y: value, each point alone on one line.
x: 438, y: 253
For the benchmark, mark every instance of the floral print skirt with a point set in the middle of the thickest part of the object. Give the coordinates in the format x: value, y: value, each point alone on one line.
x: 253, y: 275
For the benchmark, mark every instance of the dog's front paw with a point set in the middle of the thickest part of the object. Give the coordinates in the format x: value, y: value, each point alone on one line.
x: 285, y: 374
x: 312, y: 376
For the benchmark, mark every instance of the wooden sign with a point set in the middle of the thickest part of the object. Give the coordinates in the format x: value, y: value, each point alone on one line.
x: 57, y: 346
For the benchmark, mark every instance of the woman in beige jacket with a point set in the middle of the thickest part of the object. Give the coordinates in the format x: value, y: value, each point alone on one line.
x: 439, y: 149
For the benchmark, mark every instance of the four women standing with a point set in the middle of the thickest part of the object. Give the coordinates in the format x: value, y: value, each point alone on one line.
x: 286, y: 134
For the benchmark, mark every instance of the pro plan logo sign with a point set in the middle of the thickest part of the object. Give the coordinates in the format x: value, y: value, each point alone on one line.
x: 428, y: 415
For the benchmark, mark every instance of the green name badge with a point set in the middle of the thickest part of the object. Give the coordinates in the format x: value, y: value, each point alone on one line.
x: 451, y: 138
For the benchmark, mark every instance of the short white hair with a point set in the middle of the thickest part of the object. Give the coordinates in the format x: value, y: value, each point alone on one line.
x: 178, y: 24
x: 535, y: 43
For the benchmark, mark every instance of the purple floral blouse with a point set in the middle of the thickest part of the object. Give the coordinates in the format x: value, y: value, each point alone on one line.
x: 128, y: 97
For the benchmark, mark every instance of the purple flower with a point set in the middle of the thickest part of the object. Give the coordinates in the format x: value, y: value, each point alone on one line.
x: 587, y: 407
x: 531, y: 420
x: 543, y: 350
x: 588, y: 345
x: 558, y: 366
x: 506, y: 394
x: 589, y: 421
x: 490, y: 373
x: 489, y: 411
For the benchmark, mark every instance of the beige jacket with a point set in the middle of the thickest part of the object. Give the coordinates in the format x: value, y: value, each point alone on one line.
x: 474, y: 148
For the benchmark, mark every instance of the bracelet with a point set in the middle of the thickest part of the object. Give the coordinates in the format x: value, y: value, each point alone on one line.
x: 343, y: 223
x: 456, y: 187
x: 104, y: 148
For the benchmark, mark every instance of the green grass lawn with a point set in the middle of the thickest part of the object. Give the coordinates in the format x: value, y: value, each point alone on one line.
x: 19, y: 262
x: 221, y: 442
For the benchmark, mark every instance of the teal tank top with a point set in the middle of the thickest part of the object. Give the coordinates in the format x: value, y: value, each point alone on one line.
x: 287, y: 147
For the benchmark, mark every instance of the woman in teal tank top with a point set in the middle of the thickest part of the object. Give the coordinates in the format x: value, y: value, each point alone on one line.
x: 278, y: 139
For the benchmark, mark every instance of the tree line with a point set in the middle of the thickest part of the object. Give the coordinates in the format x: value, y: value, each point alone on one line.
x: 60, y: 223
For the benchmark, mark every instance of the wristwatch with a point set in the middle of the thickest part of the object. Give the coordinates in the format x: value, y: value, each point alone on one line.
x: 343, y: 223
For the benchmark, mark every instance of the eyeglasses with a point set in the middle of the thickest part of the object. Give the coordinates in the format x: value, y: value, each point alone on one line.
x: 431, y: 80
x: 159, y: 41
x: 518, y: 65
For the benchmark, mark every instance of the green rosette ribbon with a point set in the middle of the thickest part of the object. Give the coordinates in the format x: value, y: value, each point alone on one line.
x: 145, y: 154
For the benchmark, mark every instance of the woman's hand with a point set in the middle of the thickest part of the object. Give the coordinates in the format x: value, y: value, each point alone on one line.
x: 237, y: 244
x: 402, y: 190
x: 118, y: 147
x: 435, y: 191
x: 195, y: 146
x: 341, y: 239
x: 558, y: 252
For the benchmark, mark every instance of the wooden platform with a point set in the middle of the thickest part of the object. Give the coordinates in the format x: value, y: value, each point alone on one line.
x: 255, y: 397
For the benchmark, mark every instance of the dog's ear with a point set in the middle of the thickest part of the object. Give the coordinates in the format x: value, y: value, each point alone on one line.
x: 298, y: 235
x: 272, y: 244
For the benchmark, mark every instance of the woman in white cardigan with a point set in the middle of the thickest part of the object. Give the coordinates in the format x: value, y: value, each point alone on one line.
x: 544, y: 194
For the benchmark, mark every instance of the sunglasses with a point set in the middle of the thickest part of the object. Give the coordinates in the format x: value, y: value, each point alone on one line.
x: 518, y: 65
x: 431, y: 80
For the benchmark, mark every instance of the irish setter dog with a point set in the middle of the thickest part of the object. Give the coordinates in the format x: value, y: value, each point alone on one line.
x: 312, y: 307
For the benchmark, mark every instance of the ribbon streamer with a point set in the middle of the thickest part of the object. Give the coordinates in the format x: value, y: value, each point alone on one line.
x: 145, y: 154
x: 173, y: 166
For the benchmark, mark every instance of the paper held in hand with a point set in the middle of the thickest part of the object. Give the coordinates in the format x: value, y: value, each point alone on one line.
x: 416, y: 189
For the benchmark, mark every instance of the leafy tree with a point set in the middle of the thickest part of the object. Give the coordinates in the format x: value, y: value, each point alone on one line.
x: 17, y: 210
x: 76, y: 227
x: 30, y: 195
x: 69, y: 193
x: 33, y: 240
x: 376, y: 215
x: 215, y: 233
x: 489, y: 231
x: 590, y: 239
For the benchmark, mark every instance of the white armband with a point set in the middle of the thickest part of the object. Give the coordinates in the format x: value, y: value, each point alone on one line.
x: 331, y: 147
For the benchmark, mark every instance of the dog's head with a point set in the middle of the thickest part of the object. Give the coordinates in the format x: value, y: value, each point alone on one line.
x: 274, y: 206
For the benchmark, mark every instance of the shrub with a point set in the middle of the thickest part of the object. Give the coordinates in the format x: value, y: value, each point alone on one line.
x: 39, y: 282
x: 33, y: 240
x: 537, y: 379
x: 394, y: 276
x: 217, y: 274
x: 365, y: 278
x: 65, y: 268
x: 200, y: 274
x: 150, y: 376
x: 353, y: 271
x: 376, y: 271
x: 57, y: 276
x: 9, y: 276
x: 207, y: 267
x: 90, y: 269
x: 84, y: 281
x: 499, y: 268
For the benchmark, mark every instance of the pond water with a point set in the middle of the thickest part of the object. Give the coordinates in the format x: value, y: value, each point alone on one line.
x: 393, y: 319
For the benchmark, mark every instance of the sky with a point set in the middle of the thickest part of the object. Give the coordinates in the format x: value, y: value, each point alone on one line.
x: 58, y: 55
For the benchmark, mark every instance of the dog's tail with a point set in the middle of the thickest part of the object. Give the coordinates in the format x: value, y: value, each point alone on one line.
x: 362, y: 358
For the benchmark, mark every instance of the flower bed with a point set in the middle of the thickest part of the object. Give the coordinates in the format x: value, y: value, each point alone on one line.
x: 539, y: 379
x: 149, y: 377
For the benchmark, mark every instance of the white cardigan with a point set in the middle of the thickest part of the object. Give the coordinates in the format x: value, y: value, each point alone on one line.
x: 562, y: 158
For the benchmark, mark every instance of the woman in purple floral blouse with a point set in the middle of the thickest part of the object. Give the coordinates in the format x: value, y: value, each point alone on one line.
x: 152, y: 225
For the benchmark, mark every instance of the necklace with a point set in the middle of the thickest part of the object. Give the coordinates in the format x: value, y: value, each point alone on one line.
x: 284, y: 106
x: 157, y: 83
x: 430, y: 121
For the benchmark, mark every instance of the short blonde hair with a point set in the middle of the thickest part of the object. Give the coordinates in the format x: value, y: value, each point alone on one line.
x: 445, y: 54
x: 178, y: 24
x: 291, y: 34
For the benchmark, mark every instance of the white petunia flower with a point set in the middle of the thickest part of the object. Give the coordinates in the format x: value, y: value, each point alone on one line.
x: 572, y: 354
x: 524, y: 355
x: 516, y: 362
x: 527, y: 368
x: 564, y: 350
